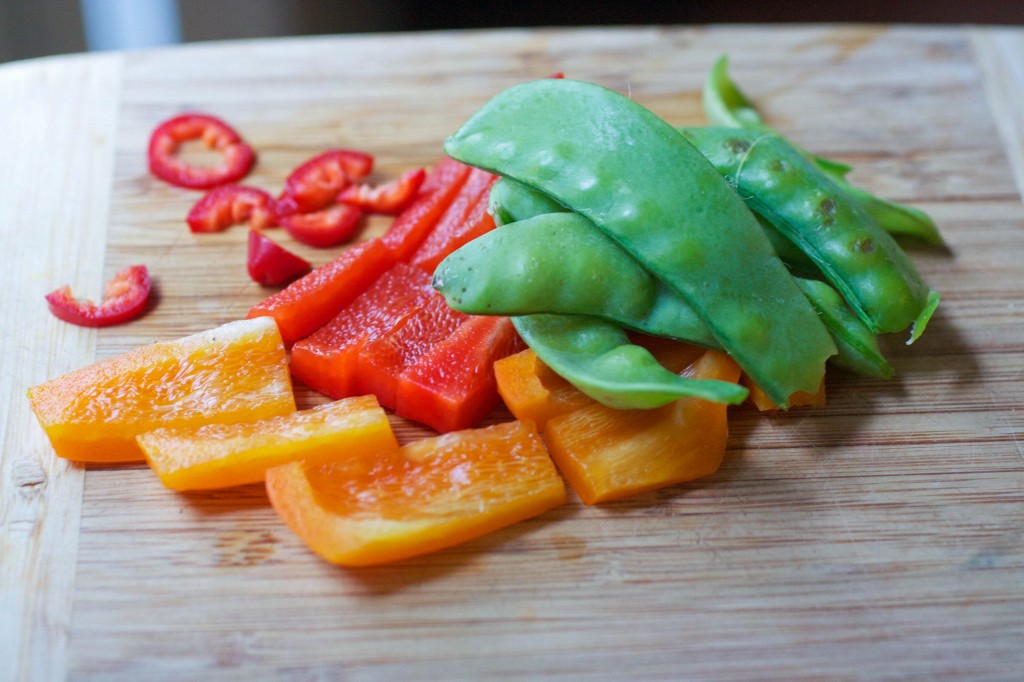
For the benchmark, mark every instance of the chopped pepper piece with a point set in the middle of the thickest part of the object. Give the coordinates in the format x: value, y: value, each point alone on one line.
x: 234, y: 373
x: 167, y: 138
x: 452, y: 385
x: 331, y: 226
x: 270, y: 263
x: 423, y: 497
x: 225, y: 455
x: 316, y: 183
x: 387, y: 199
x: 124, y: 298
x: 229, y: 205
x: 607, y: 454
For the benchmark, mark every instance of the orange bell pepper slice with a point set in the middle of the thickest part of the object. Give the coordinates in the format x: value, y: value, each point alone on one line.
x: 225, y: 455
x: 608, y: 454
x: 532, y: 391
x: 425, y: 496
x: 235, y: 373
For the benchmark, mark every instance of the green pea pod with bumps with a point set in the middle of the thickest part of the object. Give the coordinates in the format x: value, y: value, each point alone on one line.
x: 726, y: 105
x: 860, y: 259
x: 609, y: 159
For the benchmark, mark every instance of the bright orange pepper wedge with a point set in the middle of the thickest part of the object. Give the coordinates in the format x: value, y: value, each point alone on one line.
x: 237, y: 372
x: 225, y: 455
x: 532, y: 391
x: 608, y: 454
x: 422, y: 497
x: 799, y: 399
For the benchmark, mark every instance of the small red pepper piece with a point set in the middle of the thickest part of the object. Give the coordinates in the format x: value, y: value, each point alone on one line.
x: 232, y: 205
x: 325, y: 228
x: 270, y: 263
x: 316, y: 183
x: 124, y: 299
x: 164, y: 162
x: 388, y: 199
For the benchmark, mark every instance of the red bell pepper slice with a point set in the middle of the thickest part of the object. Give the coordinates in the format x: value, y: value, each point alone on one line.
x: 229, y: 205
x: 413, y: 224
x: 327, y: 360
x: 388, y: 199
x: 271, y: 264
x: 124, y: 299
x: 466, y: 219
x: 311, y: 301
x: 325, y: 228
x: 382, y: 360
x: 452, y: 386
x: 164, y: 162
x: 316, y: 183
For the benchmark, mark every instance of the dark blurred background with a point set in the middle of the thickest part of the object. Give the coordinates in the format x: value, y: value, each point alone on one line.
x: 33, y: 28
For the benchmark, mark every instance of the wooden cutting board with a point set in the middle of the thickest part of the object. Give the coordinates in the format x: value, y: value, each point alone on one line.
x: 881, y: 536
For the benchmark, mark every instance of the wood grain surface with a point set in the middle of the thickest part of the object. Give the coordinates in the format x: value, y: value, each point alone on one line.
x: 880, y: 537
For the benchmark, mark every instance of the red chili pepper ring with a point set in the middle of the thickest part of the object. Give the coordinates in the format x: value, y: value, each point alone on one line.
x: 164, y: 162
x: 124, y: 299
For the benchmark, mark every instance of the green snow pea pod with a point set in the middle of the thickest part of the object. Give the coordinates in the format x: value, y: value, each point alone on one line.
x: 515, y: 201
x: 726, y: 105
x: 597, y: 358
x: 858, y: 346
x: 857, y: 256
x: 895, y: 218
x: 510, y: 201
x: 560, y: 263
x: 606, y: 157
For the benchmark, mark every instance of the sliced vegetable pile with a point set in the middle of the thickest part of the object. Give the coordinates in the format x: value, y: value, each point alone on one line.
x: 657, y: 275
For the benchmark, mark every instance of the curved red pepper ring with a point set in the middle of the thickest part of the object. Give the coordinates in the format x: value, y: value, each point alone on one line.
x: 164, y: 162
x: 270, y: 263
x: 316, y: 183
x: 388, y: 199
x: 124, y: 299
x: 326, y: 228
x: 231, y: 205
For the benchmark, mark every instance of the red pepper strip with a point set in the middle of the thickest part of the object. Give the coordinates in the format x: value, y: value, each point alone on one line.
x: 327, y: 359
x: 270, y: 263
x: 232, y: 205
x: 452, y: 386
x: 165, y: 163
x: 466, y: 219
x: 316, y: 183
x: 311, y: 301
x: 124, y: 298
x: 382, y: 360
x: 388, y: 199
x: 325, y: 228
x: 413, y: 224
